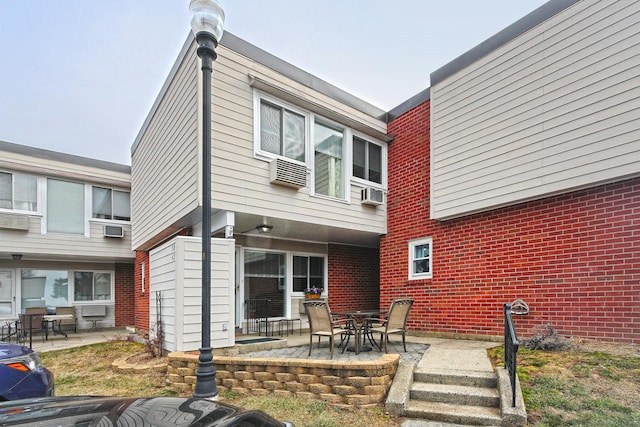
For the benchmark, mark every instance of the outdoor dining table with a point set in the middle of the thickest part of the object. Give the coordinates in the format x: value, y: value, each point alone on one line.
x: 359, y: 322
x: 53, y: 318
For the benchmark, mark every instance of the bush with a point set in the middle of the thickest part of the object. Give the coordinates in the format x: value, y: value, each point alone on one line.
x: 546, y: 338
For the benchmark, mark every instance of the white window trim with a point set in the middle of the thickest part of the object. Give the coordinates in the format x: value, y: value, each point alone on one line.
x: 411, y: 247
x: 72, y: 287
x: 39, y: 195
x: 289, y: 278
x: 347, y: 159
x: 364, y: 182
x: 266, y: 155
x: 106, y: 220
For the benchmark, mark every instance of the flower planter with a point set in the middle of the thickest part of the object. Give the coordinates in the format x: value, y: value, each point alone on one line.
x: 312, y: 296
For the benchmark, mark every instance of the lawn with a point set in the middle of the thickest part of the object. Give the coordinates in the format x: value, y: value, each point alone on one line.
x: 595, y: 386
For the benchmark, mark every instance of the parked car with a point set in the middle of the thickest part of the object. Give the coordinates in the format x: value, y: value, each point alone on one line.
x: 130, y: 411
x: 22, y: 374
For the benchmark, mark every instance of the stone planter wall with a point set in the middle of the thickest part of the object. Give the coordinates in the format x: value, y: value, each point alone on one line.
x: 356, y: 384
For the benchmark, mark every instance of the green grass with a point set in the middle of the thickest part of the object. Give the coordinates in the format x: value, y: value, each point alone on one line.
x: 573, y: 388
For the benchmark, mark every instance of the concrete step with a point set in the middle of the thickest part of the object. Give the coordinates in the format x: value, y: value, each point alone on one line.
x: 457, y: 377
x: 451, y: 413
x: 458, y: 394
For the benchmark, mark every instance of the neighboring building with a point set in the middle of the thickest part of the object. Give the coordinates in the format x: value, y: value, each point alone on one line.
x: 65, y: 234
x: 289, y: 152
x: 524, y: 181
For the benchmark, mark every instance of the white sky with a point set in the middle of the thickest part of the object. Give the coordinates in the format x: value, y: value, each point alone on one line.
x: 80, y: 76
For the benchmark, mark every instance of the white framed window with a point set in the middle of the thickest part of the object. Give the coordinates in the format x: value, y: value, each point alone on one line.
x: 18, y: 192
x: 281, y: 129
x: 43, y: 288
x: 92, y: 286
x: 420, y: 259
x: 368, y: 160
x: 110, y: 204
x: 329, y: 160
x: 65, y: 207
x: 308, y: 272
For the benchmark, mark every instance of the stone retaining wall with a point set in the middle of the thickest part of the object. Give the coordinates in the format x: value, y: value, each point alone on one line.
x: 356, y: 384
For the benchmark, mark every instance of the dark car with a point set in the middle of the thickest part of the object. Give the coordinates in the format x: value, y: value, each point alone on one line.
x: 130, y: 411
x: 22, y: 374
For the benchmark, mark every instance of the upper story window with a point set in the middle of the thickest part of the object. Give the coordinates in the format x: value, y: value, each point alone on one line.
x: 420, y: 256
x: 18, y: 192
x: 367, y: 160
x: 329, y: 168
x: 65, y: 207
x: 111, y: 204
x: 282, y: 131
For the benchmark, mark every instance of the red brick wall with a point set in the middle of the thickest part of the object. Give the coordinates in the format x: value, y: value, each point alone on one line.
x: 574, y: 258
x: 124, y: 294
x: 354, y: 276
x: 141, y: 299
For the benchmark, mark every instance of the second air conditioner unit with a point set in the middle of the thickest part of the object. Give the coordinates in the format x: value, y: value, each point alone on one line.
x: 113, y: 231
x: 372, y: 196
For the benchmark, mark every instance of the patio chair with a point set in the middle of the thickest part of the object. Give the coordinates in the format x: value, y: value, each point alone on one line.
x: 395, y: 322
x: 32, y: 322
x: 322, y: 324
x: 68, y: 322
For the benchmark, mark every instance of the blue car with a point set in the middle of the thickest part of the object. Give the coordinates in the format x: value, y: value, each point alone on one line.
x: 22, y: 374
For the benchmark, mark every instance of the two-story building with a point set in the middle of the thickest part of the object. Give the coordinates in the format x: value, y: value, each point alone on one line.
x: 65, y: 234
x: 298, y: 178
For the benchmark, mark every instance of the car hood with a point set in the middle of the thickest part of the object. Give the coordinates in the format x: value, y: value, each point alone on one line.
x: 8, y: 351
x: 134, y: 411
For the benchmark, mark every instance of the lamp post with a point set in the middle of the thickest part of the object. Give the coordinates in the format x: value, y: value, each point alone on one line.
x: 207, y: 19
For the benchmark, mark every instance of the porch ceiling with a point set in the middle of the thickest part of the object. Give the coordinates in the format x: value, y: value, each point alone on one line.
x: 302, y: 231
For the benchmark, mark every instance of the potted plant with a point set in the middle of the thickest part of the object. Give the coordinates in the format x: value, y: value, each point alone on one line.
x: 312, y: 292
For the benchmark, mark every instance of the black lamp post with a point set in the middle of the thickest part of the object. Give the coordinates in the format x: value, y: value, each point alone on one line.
x: 207, y: 19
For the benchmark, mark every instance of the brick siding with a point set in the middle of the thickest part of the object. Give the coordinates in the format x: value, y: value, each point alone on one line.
x: 354, y: 274
x: 574, y: 258
x: 141, y: 299
x: 124, y: 282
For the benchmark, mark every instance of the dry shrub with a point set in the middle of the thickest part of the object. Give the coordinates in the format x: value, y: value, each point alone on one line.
x: 546, y: 338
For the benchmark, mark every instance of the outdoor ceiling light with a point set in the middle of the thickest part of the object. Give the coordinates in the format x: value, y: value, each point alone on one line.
x: 16, y: 257
x: 264, y: 228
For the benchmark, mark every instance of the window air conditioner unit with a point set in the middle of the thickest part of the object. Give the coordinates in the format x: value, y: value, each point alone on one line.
x: 372, y: 196
x: 287, y: 173
x: 113, y: 231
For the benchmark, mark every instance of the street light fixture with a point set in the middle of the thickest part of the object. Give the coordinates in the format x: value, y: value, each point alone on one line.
x: 207, y: 19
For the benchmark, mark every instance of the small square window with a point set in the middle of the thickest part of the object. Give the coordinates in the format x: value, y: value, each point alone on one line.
x: 420, y: 256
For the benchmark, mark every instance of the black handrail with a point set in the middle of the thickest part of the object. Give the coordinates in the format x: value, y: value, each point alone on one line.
x: 511, y: 345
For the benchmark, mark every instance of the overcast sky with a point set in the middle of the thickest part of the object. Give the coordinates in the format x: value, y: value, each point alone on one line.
x: 80, y: 76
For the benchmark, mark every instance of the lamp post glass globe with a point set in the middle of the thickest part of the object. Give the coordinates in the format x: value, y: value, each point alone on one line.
x: 207, y: 18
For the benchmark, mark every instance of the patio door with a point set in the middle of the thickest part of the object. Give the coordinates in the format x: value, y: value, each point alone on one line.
x: 265, y: 279
x: 7, y: 292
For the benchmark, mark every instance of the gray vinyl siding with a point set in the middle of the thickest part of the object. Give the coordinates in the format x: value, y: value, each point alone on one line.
x: 554, y: 109
x: 69, y: 245
x: 166, y: 164
x: 165, y: 161
x: 175, y: 270
x: 241, y: 180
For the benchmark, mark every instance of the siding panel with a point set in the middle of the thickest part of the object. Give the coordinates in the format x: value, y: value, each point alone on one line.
x: 550, y: 111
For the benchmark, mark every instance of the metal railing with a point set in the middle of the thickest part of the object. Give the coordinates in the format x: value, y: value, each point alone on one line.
x: 511, y: 345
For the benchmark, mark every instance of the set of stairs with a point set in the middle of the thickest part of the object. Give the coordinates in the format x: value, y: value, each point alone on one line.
x: 457, y: 397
